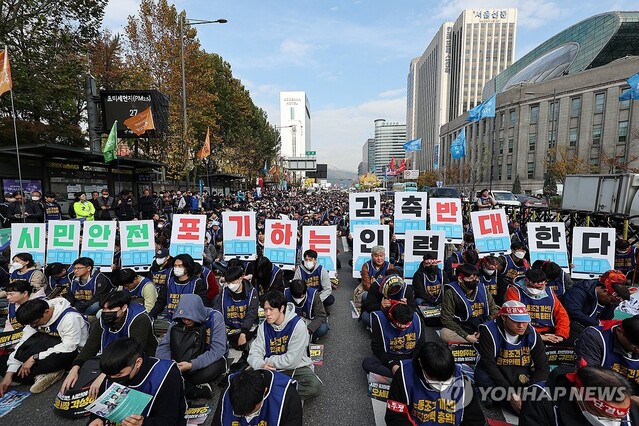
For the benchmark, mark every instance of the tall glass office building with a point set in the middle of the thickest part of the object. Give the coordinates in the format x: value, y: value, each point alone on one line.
x: 388, y: 143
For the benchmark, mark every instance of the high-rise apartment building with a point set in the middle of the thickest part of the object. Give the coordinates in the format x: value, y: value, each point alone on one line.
x: 295, y: 124
x: 388, y: 143
x: 448, y: 78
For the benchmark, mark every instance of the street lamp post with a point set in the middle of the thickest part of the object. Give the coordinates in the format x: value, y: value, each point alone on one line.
x: 190, y: 22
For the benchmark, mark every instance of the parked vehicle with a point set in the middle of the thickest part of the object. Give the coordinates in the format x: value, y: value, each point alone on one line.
x: 505, y: 198
x: 530, y: 201
x: 443, y: 192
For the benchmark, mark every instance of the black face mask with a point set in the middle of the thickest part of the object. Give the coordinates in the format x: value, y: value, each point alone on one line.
x: 471, y: 285
x: 109, y: 318
x: 432, y: 269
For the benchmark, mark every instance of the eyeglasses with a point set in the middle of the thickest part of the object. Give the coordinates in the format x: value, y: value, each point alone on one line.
x: 76, y: 268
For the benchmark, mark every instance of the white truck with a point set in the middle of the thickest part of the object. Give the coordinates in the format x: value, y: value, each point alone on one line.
x: 613, y: 194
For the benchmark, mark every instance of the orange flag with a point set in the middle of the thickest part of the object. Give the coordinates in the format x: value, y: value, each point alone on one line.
x: 5, y: 73
x: 140, y: 122
x: 205, y: 151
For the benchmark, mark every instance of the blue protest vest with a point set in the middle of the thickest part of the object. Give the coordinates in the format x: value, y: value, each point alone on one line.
x: 478, y: 307
x: 83, y: 291
x: 511, y: 354
x: 490, y: 284
x: 540, y: 310
x: 52, y: 211
x: 312, y: 279
x: 233, y: 310
x: 62, y: 281
x: 174, y: 292
x: 11, y: 316
x: 160, y: 278
x: 271, y: 411
x: 109, y: 336
x: 511, y: 270
x: 398, y: 342
x: 626, y: 262
x: 557, y: 285
x: 428, y: 406
x: 277, y: 341
x: 137, y: 291
x: 627, y: 367
x: 274, y: 271
x: 52, y: 330
x: 434, y: 288
x: 377, y: 275
x: 15, y: 276
x: 306, y: 310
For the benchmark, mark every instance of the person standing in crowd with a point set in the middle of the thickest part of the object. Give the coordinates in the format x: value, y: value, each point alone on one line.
x: 146, y: 205
x: 24, y: 268
x: 83, y: 208
x: 314, y: 275
x: 105, y: 209
x: 125, y: 209
x: 420, y: 383
x: 196, y: 340
x: 51, y: 208
x: 282, y: 345
x: 124, y: 362
x: 486, y: 201
x: 49, y: 343
x: 22, y: 210
x: 465, y: 306
x: 87, y: 287
x: 259, y: 397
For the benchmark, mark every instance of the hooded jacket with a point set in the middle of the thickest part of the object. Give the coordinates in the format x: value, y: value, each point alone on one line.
x: 325, y: 288
x: 296, y: 355
x: 580, y: 301
x: 191, y: 307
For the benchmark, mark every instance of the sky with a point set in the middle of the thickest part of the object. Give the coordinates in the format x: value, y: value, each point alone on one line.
x: 350, y: 57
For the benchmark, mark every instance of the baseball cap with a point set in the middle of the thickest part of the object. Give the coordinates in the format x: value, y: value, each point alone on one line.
x: 515, y: 310
x: 163, y: 252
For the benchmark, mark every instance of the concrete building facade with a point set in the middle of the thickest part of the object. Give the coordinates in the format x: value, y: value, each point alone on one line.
x: 388, y: 143
x: 295, y: 124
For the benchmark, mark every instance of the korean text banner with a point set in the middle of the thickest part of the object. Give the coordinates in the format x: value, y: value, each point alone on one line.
x: 29, y: 238
x: 410, y: 211
x: 63, y: 242
x: 547, y: 241
x: 280, y: 242
x: 446, y: 215
x: 240, y: 235
x: 363, y: 209
x: 593, y: 251
x: 187, y: 235
x: 490, y: 229
x: 137, y: 244
x: 322, y: 239
x: 98, y: 243
x: 365, y: 237
x: 418, y: 243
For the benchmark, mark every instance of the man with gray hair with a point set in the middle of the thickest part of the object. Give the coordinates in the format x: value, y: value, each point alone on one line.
x: 373, y: 272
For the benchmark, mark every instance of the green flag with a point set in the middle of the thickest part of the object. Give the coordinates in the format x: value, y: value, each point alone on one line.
x: 111, y: 143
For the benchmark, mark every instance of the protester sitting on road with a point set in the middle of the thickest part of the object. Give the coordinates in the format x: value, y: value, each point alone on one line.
x: 141, y: 289
x: 626, y: 258
x: 314, y: 275
x: 309, y: 306
x: 124, y: 362
x: 18, y: 292
x: 58, y: 279
x: 422, y: 382
x: 24, y: 268
x: 559, y: 281
x: 267, y: 276
x: 395, y: 332
x: 160, y: 270
x: 374, y: 271
x: 259, y: 397
x: 589, y: 302
x: 282, y: 344
x: 588, y: 396
x: 614, y: 345
x: 119, y: 318
x: 183, y: 280
x: 53, y: 334
x: 465, y: 306
x: 87, y: 287
x: 428, y: 282
x: 460, y: 257
x: 488, y: 268
x: 548, y: 316
x: 511, y: 354
x: 197, y: 342
x: 379, y: 297
x: 513, y: 266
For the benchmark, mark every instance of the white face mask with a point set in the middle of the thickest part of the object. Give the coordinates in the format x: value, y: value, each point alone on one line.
x: 178, y: 272
x: 16, y: 266
x: 160, y: 260
x: 35, y: 198
x: 488, y: 271
x: 309, y: 264
x: 535, y: 291
x: 439, y: 385
x: 234, y: 287
x: 520, y: 254
x: 596, y: 421
x: 298, y: 301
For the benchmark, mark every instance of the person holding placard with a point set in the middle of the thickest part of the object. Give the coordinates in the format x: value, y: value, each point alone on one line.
x: 160, y: 268
x: 465, y: 306
x: 488, y: 268
x: 315, y: 276
x: 513, y: 266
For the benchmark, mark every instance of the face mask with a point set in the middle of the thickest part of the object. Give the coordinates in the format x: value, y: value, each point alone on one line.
x: 178, y: 272
x: 433, y: 269
x: 535, y: 291
x: 16, y: 266
x: 488, y: 271
x: 439, y: 385
x: 160, y: 260
x: 520, y: 254
x: 11, y: 200
x: 234, y: 287
x: 35, y: 198
x: 596, y: 421
x: 105, y: 196
x: 309, y: 264
x: 298, y: 301
x: 622, y: 251
x: 109, y: 318
x: 471, y: 285
x: 160, y: 225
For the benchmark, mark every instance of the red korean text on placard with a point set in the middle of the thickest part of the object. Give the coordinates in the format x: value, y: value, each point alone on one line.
x: 446, y: 212
x: 490, y: 224
x: 281, y: 234
x: 319, y: 242
x: 242, y: 225
x: 188, y: 229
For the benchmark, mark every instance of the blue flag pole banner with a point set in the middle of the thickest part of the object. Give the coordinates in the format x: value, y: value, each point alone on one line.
x: 138, y: 244
x: 98, y: 243
x: 593, y: 251
x: 363, y: 209
x: 322, y: 239
x: 410, y: 212
x: 414, y: 145
x: 633, y: 92
x: 446, y: 216
x: 29, y: 238
x: 485, y: 109
x: 490, y: 228
x: 365, y: 237
x: 418, y: 243
x: 458, y: 147
x: 547, y: 241
x: 240, y: 235
x: 280, y: 242
x: 436, y: 157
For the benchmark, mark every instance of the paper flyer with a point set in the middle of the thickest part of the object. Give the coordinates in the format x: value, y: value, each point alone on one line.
x: 197, y: 413
x: 119, y: 402
x: 11, y: 400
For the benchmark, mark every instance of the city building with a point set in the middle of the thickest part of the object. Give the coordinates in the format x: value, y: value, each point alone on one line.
x: 447, y: 79
x: 295, y: 125
x: 388, y: 144
x: 558, y: 108
x: 368, y: 157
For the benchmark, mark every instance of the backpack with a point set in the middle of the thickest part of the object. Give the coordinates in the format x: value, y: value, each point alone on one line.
x: 187, y: 343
